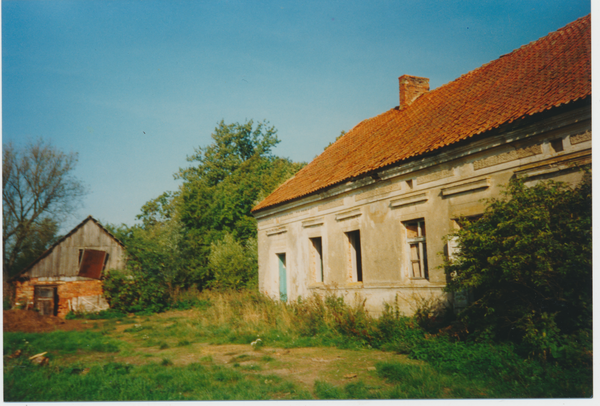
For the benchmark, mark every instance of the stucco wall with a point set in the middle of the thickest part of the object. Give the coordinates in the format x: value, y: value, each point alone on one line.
x: 438, y: 190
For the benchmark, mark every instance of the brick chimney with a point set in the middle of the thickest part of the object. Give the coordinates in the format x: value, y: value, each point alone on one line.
x: 411, y: 87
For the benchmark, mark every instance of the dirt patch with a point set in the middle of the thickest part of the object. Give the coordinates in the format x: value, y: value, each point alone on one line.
x: 301, y: 365
x: 29, y: 321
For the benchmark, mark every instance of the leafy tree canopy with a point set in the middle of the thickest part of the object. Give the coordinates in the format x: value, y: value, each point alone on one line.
x: 231, y: 176
x: 204, y: 234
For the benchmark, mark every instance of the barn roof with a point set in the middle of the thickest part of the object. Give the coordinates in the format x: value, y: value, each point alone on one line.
x: 534, y: 78
x: 57, y: 243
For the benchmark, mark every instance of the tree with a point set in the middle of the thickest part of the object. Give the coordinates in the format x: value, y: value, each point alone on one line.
x: 342, y: 133
x: 42, y: 235
x: 154, y: 247
x: 232, y: 175
x: 38, y: 192
x: 528, y: 261
x: 203, y: 234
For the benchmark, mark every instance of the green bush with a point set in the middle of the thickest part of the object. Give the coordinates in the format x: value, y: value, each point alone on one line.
x: 135, y: 292
x: 234, y: 265
x: 528, y: 262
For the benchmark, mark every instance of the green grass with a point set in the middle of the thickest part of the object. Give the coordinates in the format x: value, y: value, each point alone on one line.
x: 122, y: 382
x: 446, y: 368
x: 60, y: 342
x: 101, y: 315
x: 242, y: 317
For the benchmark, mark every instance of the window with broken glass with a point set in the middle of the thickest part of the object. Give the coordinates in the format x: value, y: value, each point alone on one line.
x: 417, y: 248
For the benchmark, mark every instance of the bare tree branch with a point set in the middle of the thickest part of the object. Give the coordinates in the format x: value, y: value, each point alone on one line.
x: 38, y: 188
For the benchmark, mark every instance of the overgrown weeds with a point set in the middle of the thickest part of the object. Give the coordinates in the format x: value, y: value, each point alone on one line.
x: 448, y: 367
x: 242, y: 317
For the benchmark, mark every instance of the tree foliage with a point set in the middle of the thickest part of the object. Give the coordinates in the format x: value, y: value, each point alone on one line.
x: 203, y: 234
x: 155, y: 264
x: 528, y: 262
x: 38, y: 192
x: 231, y: 175
x: 342, y: 133
x: 234, y: 265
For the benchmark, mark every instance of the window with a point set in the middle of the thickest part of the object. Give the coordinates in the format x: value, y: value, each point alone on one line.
x: 417, y: 248
x: 46, y: 300
x: 557, y: 145
x: 355, y: 256
x: 460, y: 298
x: 92, y: 263
x: 316, y: 259
x: 460, y: 222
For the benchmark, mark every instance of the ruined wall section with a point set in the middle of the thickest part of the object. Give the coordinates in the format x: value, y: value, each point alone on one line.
x: 73, y: 295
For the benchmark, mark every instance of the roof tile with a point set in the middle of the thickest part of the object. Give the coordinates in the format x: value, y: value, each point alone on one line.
x: 543, y: 74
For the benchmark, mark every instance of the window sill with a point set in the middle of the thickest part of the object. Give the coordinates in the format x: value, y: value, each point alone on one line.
x: 354, y: 284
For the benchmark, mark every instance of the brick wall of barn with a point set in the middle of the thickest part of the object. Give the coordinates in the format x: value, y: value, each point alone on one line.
x: 73, y: 295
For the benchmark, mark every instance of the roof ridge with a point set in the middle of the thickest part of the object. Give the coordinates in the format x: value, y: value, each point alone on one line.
x: 64, y: 237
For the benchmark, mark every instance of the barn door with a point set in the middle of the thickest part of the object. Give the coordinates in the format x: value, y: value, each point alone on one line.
x: 282, y: 277
x: 46, y: 300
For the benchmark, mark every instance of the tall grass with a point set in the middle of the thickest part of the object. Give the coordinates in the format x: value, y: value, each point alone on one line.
x: 241, y: 317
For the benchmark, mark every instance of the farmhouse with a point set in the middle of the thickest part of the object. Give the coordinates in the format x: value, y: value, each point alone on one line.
x: 67, y: 277
x: 367, y: 218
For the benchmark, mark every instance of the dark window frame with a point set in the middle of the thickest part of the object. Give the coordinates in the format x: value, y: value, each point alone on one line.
x: 354, y: 242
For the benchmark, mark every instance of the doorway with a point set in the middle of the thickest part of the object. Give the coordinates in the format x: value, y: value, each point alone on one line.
x: 46, y: 300
x: 282, y: 278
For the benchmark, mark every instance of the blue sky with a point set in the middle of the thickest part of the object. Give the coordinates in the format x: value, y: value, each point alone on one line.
x: 135, y: 86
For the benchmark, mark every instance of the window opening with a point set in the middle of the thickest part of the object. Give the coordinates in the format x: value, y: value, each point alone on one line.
x: 355, y: 255
x: 92, y: 263
x: 557, y: 145
x: 417, y: 248
x: 46, y: 300
x: 462, y: 297
x: 461, y: 222
x: 105, y: 261
x: 317, y: 259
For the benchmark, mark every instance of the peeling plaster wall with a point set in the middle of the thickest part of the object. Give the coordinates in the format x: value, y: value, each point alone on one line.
x: 438, y: 189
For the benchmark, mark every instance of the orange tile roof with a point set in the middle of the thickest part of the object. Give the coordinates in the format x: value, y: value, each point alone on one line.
x: 543, y: 74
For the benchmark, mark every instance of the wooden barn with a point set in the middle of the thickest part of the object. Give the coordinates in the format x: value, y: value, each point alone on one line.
x: 68, y: 276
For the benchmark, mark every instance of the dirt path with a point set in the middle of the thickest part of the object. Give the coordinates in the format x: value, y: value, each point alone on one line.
x: 29, y: 321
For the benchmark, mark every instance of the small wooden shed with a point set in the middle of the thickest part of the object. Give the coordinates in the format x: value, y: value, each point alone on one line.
x: 68, y: 276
